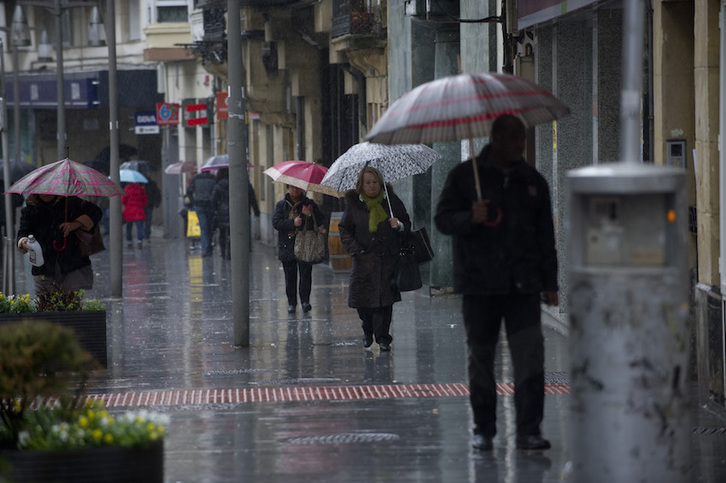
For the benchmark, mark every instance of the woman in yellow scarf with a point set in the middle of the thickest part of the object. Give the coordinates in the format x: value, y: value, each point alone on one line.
x: 372, y: 224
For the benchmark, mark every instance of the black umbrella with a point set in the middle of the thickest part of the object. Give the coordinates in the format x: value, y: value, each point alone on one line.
x: 18, y: 169
x: 139, y: 165
x: 125, y: 151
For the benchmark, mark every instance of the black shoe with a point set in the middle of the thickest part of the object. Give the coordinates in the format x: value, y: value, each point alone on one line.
x: 482, y: 443
x: 290, y: 309
x: 367, y: 340
x: 306, y: 307
x: 532, y: 442
x: 384, y: 347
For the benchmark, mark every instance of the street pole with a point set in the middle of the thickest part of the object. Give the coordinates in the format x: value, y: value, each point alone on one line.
x: 9, y: 247
x: 239, y: 222
x: 115, y: 225
x: 16, y: 102
x: 60, y: 81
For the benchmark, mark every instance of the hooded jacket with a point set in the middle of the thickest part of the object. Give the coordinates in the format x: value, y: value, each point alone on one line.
x: 518, y: 253
x: 374, y: 254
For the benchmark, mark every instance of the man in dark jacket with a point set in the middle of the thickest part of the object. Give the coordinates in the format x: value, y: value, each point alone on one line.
x: 504, y: 261
x: 200, y: 193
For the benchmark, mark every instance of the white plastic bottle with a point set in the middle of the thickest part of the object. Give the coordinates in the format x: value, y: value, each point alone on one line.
x: 35, y: 253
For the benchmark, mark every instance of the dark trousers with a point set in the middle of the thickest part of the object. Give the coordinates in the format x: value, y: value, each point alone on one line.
x: 224, y: 240
x: 291, y: 270
x: 522, y: 320
x: 377, y: 321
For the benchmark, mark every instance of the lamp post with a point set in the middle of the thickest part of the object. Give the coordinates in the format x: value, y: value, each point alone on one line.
x: 8, y: 249
x: 19, y: 37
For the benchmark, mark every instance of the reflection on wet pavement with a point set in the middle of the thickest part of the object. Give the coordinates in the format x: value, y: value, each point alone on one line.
x: 172, y: 333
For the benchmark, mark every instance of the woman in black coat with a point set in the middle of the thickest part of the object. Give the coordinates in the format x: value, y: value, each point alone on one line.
x: 370, y: 229
x: 293, y: 213
x: 52, y: 220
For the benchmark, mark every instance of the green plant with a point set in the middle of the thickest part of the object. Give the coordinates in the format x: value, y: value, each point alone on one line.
x: 91, y: 426
x: 16, y: 304
x: 59, y: 301
x: 38, y: 360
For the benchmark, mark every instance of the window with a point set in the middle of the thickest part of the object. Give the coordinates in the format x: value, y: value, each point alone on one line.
x: 171, y: 11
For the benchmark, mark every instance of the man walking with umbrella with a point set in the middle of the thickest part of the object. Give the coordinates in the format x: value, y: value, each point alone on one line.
x: 505, y: 262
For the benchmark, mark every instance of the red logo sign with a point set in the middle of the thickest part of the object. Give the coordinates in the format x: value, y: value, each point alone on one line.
x: 222, y: 109
x: 167, y: 114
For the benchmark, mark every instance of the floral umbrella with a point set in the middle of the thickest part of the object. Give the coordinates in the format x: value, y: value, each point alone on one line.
x: 306, y: 176
x: 463, y: 107
x: 67, y: 178
x: 394, y: 163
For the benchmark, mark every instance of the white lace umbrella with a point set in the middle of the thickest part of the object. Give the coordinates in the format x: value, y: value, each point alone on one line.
x: 463, y: 107
x: 394, y: 162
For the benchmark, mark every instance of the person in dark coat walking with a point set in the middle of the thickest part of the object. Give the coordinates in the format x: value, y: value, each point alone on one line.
x: 220, y: 202
x: 505, y: 262
x: 293, y: 213
x: 370, y: 231
x: 52, y: 220
x: 199, y: 192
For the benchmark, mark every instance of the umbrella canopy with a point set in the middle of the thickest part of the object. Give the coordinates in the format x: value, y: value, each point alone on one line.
x: 181, y: 167
x: 215, y: 162
x: 18, y: 169
x: 463, y: 107
x: 139, y: 165
x: 67, y: 178
x: 394, y: 163
x: 131, y: 176
x: 306, y: 176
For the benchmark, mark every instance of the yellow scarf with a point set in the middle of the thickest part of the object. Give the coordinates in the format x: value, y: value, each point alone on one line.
x: 376, y: 212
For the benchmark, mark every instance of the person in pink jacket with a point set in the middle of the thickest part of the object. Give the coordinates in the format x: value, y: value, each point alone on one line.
x: 134, y: 201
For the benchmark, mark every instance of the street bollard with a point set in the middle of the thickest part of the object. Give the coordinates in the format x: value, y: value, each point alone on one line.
x: 629, y: 336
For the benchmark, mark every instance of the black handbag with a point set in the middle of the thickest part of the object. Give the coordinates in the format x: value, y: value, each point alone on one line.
x: 421, y: 245
x: 406, y: 275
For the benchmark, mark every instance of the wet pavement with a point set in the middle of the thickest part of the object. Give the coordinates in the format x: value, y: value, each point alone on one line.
x: 305, y: 401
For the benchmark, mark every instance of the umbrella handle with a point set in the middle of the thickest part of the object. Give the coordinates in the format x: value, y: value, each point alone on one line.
x: 60, y: 249
x: 496, y: 221
x: 477, y: 183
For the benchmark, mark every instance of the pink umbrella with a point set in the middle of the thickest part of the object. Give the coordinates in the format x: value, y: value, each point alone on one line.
x: 306, y: 176
x: 463, y: 107
x: 181, y: 167
x: 67, y: 178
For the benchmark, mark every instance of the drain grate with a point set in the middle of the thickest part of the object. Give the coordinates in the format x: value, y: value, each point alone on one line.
x: 345, y: 438
x: 709, y: 431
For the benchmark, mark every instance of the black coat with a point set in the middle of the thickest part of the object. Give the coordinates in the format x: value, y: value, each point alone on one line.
x: 220, y: 201
x: 200, y: 190
x: 43, y: 220
x: 517, y: 255
x: 283, y: 220
x: 374, y: 254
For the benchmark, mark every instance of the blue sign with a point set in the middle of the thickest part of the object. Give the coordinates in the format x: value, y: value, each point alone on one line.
x: 145, y: 122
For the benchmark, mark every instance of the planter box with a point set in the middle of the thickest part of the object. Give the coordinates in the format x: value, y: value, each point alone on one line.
x: 89, y: 325
x: 102, y: 465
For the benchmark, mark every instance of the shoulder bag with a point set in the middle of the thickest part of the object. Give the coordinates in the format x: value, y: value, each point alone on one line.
x: 90, y: 242
x: 310, y: 244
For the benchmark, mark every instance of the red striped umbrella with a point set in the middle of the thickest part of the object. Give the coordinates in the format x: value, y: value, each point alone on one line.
x: 67, y: 178
x: 306, y: 176
x: 464, y: 106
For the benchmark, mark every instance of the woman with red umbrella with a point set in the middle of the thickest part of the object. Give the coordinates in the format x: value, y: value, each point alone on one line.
x: 295, y: 212
x: 52, y: 219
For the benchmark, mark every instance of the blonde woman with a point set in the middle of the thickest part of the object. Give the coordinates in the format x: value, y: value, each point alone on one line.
x: 370, y: 229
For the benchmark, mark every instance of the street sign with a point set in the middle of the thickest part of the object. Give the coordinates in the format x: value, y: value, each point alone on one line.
x: 194, y: 113
x: 145, y: 123
x: 167, y: 113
